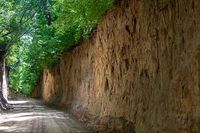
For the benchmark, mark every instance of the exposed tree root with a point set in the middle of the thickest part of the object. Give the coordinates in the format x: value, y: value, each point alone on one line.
x: 4, y: 105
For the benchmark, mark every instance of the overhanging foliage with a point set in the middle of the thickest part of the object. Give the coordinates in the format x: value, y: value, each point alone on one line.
x: 54, y: 25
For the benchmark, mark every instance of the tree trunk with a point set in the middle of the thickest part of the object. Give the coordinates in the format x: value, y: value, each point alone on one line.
x: 3, y: 102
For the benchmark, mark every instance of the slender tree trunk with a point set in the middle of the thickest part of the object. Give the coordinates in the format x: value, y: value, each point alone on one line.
x: 3, y: 102
x: 5, y: 85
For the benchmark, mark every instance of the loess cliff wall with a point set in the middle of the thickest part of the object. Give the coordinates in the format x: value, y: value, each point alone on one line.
x: 140, y: 66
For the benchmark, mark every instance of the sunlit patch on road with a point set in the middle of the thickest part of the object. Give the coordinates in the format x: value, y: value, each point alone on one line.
x: 31, y: 116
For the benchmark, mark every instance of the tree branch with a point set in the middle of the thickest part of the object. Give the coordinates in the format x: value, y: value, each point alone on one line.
x: 46, y: 12
x: 10, y: 32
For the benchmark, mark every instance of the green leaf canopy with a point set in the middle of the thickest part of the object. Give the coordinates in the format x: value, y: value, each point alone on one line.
x: 40, y: 31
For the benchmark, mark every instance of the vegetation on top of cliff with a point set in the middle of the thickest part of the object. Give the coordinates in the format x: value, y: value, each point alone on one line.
x: 36, y: 32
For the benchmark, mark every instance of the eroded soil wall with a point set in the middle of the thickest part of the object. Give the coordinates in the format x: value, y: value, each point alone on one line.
x: 141, y: 64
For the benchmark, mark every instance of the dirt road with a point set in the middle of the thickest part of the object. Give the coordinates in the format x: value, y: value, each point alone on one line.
x: 31, y: 116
